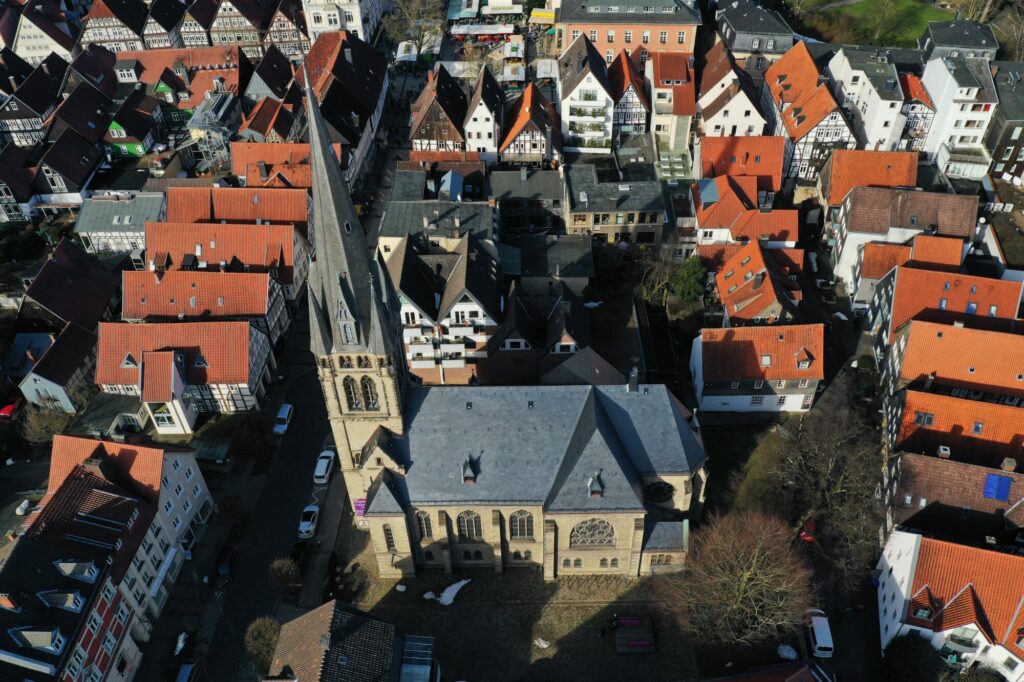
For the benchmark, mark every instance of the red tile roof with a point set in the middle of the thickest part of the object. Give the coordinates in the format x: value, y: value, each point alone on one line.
x: 158, y: 376
x: 718, y: 64
x: 714, y: 256
x: 261, y: 247
x: 918, y: 294
x: 974, y: 430
x: 849, y: 168
x: 624, y: 73
x: 215, y: 352
x: 267, y: 117
x: 185, y: 294
x: 755, y: 279
x: 881, y: 257
x: 735, y: 354
x: 204, y: 65
x: 143, y: 465
x: 759, y: 156
x: 780, y: 225
x: 964, y: 585
x: 793, y: 80
x: 954, y: 355
x: 914, y: 90
x: 732, y: 196
x: 937, y: 253
x: 532, y: 110
x: 674, y: 68
x: 287, y: 163
x: 240, y: 205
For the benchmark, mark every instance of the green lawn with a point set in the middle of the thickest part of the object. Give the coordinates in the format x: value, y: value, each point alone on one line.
x: 1011, y: 241
x: 904, y: 21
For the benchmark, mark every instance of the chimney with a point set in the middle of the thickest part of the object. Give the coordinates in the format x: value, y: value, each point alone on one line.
x: 944, y: 452
x: 457, y: 221
x: 263, y: 169
x: 522, y: 174
x: 928, y: 381
x: 492, y: 202
x: 1008, y: 464
x: 325, y: 642
x: 430, y: 77
x: 45, y: 67
x: 14, y: 83
x: 425, y: 222
x: 595, y: 485
x: 348, y: 55
x: 634, y: 380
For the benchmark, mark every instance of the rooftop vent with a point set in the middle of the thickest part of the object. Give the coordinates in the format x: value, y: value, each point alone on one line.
x: 468, y: 472
x: 944, y: 452
x: 596, y: 485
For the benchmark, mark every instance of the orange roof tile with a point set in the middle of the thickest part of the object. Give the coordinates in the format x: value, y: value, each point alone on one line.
x: 881, y: 257
x: 241, y: 204
x: 779, y: 225
x: 718, y: 64
x: 914, y: 90
x: 532, y: 109
x: 622, y: 74
x: 759, y: 156
x: 965, y: 585
x: 186, y: 294
x: 261, y: 247
x: 944, y: 297
x: 203, y: 64
x: 215, y: 352
x: 793, y: 80
x: 142, y: 465
x: 974, y: 430
x: 937, y: 253
x: 958, y: 356
x: 268, y: 116
x: 674, y: 68
x: 736, y: 354
x: 755, y: 279
x: 714, y: 256
x: 849, y: 168
x: 719, y: 201
x: 287, y: 163
x: 157, y: 376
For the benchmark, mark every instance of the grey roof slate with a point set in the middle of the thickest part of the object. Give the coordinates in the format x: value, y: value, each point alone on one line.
x: 748, y: 16
x: 119, y: 215
x: 962, y: 33
x: 661, y: 12
x: 580, y: 60
x: 551, y: 255
x: 66, y: 355
x: 488, y: 91
x: 612, y: 196
x: 973, y: 73
x: 583, y: 367
x: 1009, y: 89
x: 525, y: 454
x: 403, y: 218
x: 538, y: 184
x: 878, y: 70
x: 667, y: 535
x: 409, y: 185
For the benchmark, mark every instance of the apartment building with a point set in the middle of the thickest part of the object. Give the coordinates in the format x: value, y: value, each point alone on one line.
x: 965, y: 99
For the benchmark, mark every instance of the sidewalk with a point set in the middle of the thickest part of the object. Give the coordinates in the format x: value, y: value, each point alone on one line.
x: 333, y: 503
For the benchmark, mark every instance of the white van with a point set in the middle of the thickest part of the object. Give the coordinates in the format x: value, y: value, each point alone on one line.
x: 283, y: 419
x: 819, y: 633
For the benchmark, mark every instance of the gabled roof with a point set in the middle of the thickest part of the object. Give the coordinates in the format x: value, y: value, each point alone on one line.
x: 748, y: 16
x: 719, y: 201
x: 849, y: 168
x: 73, y: 157
x: 85, y: 111
x: 714, y: 256
x: 66, y: 355
x: 581, y: 59
x: 73, y: 285
x: 532, y: 111
x: 340, y: 61
x: 215, y: 352
x: 442, y: 96
x: 131, y: 13
x: 961, y: 585
x: 158, y: 370
x: 919, y: 295
x: 204, y: 12
x: 13, y: 70
x: 257, y: 12
x: 136, y: 117
x: 794, y: 80
x: 718, y: 65
x: 672, y: 70
x: 40, y: 90
x: 876, y: 209
x: 741, y: 353
x: 95, y: 64
x: 203, y: 66
x: 914, y: 90
x: 961, y: 357
x: 269, y: 115
x: 622, y: 75
x: 261, y: 248
x: 937, y: 253
x: 46, y: 15
x: 242, y: 205
x: 194, y: 294
x: 167, y: 13
x: 975, y: 431
x: 758, y: 156
x: 488, y: 91
x: 781, y: 225
x: 756, y: 278
x: 140, y: 466
x: 285, y: 164
x: 275, y: 71
x: 881, y: 257
x: 18, y: 171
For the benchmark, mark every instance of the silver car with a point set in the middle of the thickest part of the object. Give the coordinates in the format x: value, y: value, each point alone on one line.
x: 307, y: 522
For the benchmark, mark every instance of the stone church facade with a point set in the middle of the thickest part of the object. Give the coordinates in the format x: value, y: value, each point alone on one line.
x: 573, y: 479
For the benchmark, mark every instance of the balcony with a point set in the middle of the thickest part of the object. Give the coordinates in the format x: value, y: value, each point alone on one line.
x: 453, y: 361
x: 961, y: 644
x: 461, y: 330
x: 423, y: 363
x: 663, y: 108
x: 422, y: 348
x: 964, y: 162
x: 452, y: 347
x: 594, y: 113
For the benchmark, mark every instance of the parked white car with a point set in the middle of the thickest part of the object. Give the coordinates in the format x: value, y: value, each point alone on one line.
x: 819, y: 633
x: 324, y: 467
x: 307, y: 522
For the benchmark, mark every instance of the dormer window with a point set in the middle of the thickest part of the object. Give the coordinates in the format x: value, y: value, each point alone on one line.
x: 68, y: 601
x: 766, y: 360
x: 86, y: 571
x: 129, y: 362
x: 48, y: 640
x: 803, y: 364
x: 923, y: 612
x: 596, y: 486
x: 468, y: 472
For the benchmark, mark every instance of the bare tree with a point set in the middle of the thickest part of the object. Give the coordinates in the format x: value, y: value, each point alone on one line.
x: 284, y: 572
x: 1012, y: 28
x: 744, y: 583
x: 40, y: 424
x: 421, y: 22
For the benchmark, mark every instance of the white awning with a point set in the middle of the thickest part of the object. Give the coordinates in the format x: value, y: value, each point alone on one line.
x: 162, y: 573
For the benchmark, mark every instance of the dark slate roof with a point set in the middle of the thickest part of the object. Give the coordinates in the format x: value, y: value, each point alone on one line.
x: 131, y: 13
x: 554, y: 255
x: 17, y: 170
x: 667, y: 535
x: 878, y: 69
x: 488, y: 91
x: 1009, y: 89
x: 403, y: 218
x: 95, y: 64
x: 66, y: 355
x: 41, y: 88
x: 644, y: 195
x: 749, y: 17
x: 661, y: 12
x: 973, y: 73
x: 73, y: 286
x: 115, y: 214
x: 167, y: 13
x: 580, y: 60
x: 100, y: 413
x: 538, y: 184
x: 539, y: 444
x: 963, y: 33
x: 73, y: 157
x: 12, y: 67
x: 583, y: 367
x: 408, y: 185
x: 337, y: 643
x: 275, y: 71
x: 86, y: 112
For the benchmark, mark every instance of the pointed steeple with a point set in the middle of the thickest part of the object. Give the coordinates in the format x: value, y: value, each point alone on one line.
x: 347, y: 287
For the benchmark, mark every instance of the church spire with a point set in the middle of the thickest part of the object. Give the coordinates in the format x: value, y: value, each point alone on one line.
x: 347, y: 288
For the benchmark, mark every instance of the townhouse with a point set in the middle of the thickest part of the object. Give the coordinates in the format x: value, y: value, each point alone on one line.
x: 485, y: 116
x: 849, y: 168
x: 760, y: 157
x: 672, y: 83
x: 48, y: 305
x: 756, y: 36
x: 533, y: 133
x: 135, y: 126
x: 918, y: 113
x: 727, y: 102
x: 799, y: 106
x: 350, y: 79
x: 243, y: 23
x: 907, y: 294
x: 632, y: 107
x: 284, y: 165
x: 758, y: 369
x: 876, y: 259
x: 195, y: 26
x: 86, y: 110
x: 611, y: 212
x: 183, y: 369
x: 959, y: 38
x: 117, y: 25
x: 450, y: 306
x: 759, y: 286
x: 115, y: 224
x: 726, y: 212
x: 24, y: 114
x: 287, y: 30
x: 870, y: 214
x: 438, y: 113
x: 36, y: 29
x: 66, y: 168
x: 528, y: 201
x: 587, y: 105
x: 61, y: 377
x: 1003, y: 137
x: 197, y: 295
x: 270, y: 121
x: 965, y: 99
x: 963, y: 600
x: 17, y: 183
x: 271, y: 78
x: 163, y: 25
x: 867, y: 86
x: 662, y: 26
x: 361, y: 18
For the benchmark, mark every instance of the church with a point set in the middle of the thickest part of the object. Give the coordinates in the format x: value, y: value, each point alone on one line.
x: 573, y: 479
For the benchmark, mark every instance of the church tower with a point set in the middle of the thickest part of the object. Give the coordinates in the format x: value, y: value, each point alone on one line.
x: 353, y: 308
